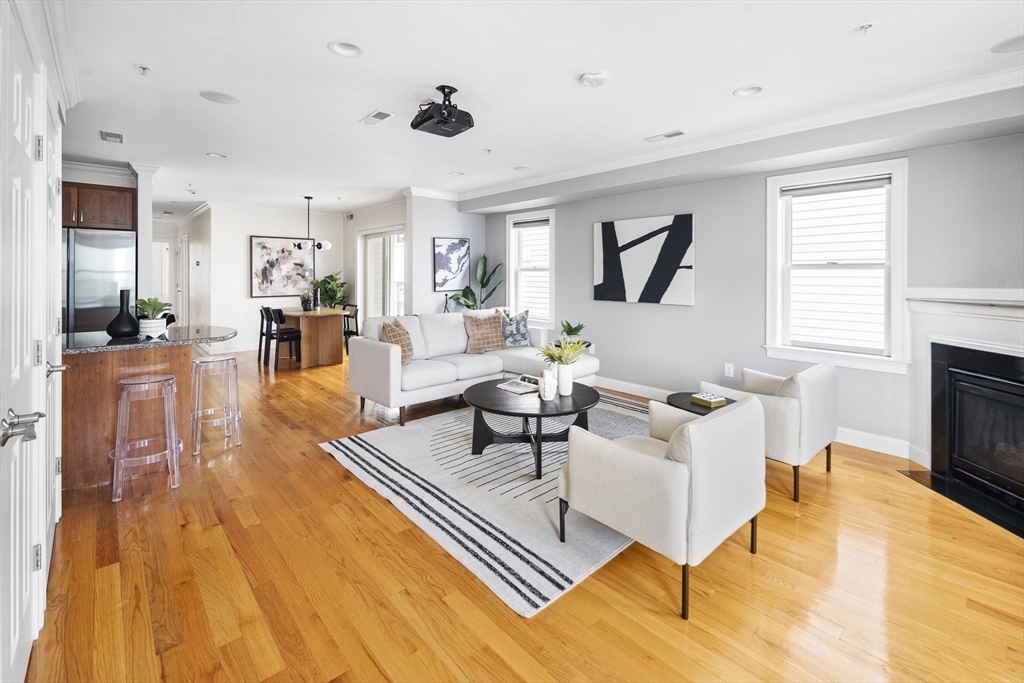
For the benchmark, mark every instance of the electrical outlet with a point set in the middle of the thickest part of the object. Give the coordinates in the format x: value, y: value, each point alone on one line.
x: 728, y: 370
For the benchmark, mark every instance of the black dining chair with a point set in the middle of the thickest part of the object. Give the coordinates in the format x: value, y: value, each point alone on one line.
x: 350, y: 324
x: 283, y: 334
x: 264, y: 324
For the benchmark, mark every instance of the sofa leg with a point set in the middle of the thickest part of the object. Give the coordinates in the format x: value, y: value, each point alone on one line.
x: 828, y: 458
x: 796, y: 483
x: 563, y: 507
x: 686, y: 591
x: 401, y: 416
x: 753, y: 536
x: 362, y: 403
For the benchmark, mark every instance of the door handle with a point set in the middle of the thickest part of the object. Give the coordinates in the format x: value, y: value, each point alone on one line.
x: 50, y: 369
x: 8, y: 431
x: 13, y: 419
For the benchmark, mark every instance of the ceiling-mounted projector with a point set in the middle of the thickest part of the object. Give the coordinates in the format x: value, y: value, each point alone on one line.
x: 442, y: 118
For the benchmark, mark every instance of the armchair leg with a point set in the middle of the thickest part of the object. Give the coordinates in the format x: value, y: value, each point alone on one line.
x: 796, y: 483
x: 563, y: 507
x: 401, y: 416
x: 686, y: 591
x: 828, y: 458
x: 753, y: 536
x: 362, y: 403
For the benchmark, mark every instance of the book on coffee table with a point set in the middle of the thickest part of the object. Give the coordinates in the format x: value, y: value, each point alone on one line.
x: 708, y: 399
x: 524, y: 384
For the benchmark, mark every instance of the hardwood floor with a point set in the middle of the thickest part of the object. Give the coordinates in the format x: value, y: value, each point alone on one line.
x: 272, y: 563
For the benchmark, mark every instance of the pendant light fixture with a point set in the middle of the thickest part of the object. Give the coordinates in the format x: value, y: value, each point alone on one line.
x: 325, y: 245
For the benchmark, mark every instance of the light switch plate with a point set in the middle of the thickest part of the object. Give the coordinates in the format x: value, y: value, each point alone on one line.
x: 728, y: 370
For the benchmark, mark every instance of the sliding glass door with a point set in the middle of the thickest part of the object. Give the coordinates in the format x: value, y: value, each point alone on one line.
x: 384, y: 273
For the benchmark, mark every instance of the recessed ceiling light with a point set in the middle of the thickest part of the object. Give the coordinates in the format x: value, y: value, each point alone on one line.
x: 594, y: 79
x: 747, y: 91
x: 111, y: 137
x: 522, y: 168
x: 346, y: 48
x: 1015, y: 44
x: 456, y: 173
x: 217, y: 155
x: 218, y: 97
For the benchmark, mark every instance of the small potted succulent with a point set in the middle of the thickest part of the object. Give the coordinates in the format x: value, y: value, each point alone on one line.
x: 152, y: 320
x: 570, y: 331
x: 306, y: 299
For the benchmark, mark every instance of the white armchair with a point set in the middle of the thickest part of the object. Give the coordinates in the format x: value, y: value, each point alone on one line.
x: 682, y: 491
x: 801, y: 413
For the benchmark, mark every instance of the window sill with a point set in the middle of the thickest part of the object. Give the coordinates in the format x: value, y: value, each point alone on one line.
x: 841, y: 359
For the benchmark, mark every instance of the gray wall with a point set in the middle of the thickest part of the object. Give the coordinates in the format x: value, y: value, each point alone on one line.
x: 428, y: 218
x: 674, y: 347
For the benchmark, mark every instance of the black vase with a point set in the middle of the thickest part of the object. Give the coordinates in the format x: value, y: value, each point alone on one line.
x: 124, y: 323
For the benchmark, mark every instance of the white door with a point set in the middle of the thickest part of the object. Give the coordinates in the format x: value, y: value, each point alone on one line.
x: 22, y: 303
x: 181, y: 281
x: 55, y: 260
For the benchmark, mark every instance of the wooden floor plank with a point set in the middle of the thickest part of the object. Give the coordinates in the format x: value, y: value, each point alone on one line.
x: 272, y: 562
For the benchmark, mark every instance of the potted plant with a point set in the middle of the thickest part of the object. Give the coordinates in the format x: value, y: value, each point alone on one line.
x: 332, y: 290
x: 151, y: 312
x: 570, y: 331
x: 306, y: 299
x: 468, y: 297
x: 563, y: 356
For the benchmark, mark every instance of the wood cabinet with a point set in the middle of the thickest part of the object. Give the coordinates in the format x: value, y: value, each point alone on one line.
x: 98, y: 206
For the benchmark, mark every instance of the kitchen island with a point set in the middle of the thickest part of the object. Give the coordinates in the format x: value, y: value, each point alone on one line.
x: 90, y: 394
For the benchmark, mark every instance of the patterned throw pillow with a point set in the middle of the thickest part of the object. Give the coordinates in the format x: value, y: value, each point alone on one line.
x: 394, y: 333
x: 515, y: 330
x: 484, y: 332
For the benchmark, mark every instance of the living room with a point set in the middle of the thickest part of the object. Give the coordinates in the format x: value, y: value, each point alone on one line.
x: 285, y: 552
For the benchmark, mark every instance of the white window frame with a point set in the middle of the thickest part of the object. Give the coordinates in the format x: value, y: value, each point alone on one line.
x: 776, y: 301
x: 510, y: 271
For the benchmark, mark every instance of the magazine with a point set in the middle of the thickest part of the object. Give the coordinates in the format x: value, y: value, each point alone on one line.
x: 523, y: 384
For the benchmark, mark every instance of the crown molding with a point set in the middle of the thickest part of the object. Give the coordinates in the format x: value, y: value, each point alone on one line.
x: 59, y: 30
x: 430, y: 194
x: 202, y: 208
x: 139, y: 169
x: 217, y: 204
x: 97, y: 169
x: 375, y: 207
x: 1005, y: 79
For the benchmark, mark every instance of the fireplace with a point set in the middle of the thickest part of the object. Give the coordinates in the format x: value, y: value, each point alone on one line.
x: 978, y: 432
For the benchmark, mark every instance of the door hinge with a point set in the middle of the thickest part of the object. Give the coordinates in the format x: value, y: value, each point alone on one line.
x: 39, y: 148
x: 60, y: 469
x: 39, y: 352
x: 60, y: 186
x: 37, y: 553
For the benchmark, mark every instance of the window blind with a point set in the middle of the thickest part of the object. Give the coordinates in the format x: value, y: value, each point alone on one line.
x: 837, y: 266
x: 532, y: 268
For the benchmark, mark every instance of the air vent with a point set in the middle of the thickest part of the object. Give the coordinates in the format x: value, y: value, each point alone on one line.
x: 664, y: 136
x: 377, y: 117
x: 111, y: 137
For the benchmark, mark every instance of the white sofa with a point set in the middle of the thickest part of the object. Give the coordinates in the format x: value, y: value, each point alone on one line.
x: 440, y: 366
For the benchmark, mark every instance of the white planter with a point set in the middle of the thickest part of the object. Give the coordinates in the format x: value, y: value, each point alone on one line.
x: 565, y: 380
x: 548, y: 384
x: 152, y: 328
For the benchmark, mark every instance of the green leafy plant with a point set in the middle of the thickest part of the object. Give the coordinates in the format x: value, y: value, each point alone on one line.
x: 468, y: 297
x: 332, y: 290
x: 566, y: 353
x: 306, y: 298
x: 571, y: 330
x: 151, y: 308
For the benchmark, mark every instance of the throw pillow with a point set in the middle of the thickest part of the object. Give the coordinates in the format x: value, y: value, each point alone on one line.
x: 484, y: 333
x: 394, y: 333
x: 516, y: 330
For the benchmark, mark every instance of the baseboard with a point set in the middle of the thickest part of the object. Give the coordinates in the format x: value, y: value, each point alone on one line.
x: 631, y: 388
x: 874, y: 442
x: 234, y: 348
x: 920, y: 456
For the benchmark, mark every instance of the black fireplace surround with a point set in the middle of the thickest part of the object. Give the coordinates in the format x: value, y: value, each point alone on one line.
x: 978, y: 432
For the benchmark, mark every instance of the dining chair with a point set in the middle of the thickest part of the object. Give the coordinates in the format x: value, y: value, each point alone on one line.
x: 351, y: 323
x: 287, y: 334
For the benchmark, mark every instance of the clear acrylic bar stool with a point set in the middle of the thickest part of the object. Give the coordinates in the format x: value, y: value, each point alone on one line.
x: 146, y: 388
x: 228, y: 413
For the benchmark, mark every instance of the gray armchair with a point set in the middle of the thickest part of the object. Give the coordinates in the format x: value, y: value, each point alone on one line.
x: 682, y: 491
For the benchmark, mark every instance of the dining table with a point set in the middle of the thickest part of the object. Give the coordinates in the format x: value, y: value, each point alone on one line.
x: 323, y: 334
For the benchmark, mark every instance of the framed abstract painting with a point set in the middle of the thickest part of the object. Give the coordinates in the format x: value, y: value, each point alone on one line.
x: 645, y: 260
x: 451, y: 264
x: 278, y: 267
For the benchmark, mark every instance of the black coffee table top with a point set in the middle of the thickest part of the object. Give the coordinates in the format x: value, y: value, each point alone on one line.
x: 486, y: 396
x: 682, y: 401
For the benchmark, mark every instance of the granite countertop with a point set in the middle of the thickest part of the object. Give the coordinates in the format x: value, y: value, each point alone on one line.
x: 177, y: 335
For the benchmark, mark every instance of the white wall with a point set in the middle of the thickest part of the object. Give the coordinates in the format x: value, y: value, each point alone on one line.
x: 231, y: 227
x: 197, y: 226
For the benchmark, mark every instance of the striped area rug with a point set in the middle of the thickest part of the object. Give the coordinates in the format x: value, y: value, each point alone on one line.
x: 489, y: 511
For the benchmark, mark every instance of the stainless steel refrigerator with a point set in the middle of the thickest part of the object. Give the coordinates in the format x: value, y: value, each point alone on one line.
x: 99, y: 264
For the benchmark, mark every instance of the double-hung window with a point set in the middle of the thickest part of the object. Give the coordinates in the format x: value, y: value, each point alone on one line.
x: 836, y: 255
x: 530, y: 271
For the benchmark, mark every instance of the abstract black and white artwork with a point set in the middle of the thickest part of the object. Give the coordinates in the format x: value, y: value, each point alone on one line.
x: 451, y: 264
x: 278, y: 268
x: 645, y: 260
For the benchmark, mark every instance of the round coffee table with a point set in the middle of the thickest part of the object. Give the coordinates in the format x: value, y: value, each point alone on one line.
x: 486, y: 397
x: 682, y: 401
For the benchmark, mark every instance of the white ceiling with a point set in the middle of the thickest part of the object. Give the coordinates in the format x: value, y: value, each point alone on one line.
x: 670, y: 65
